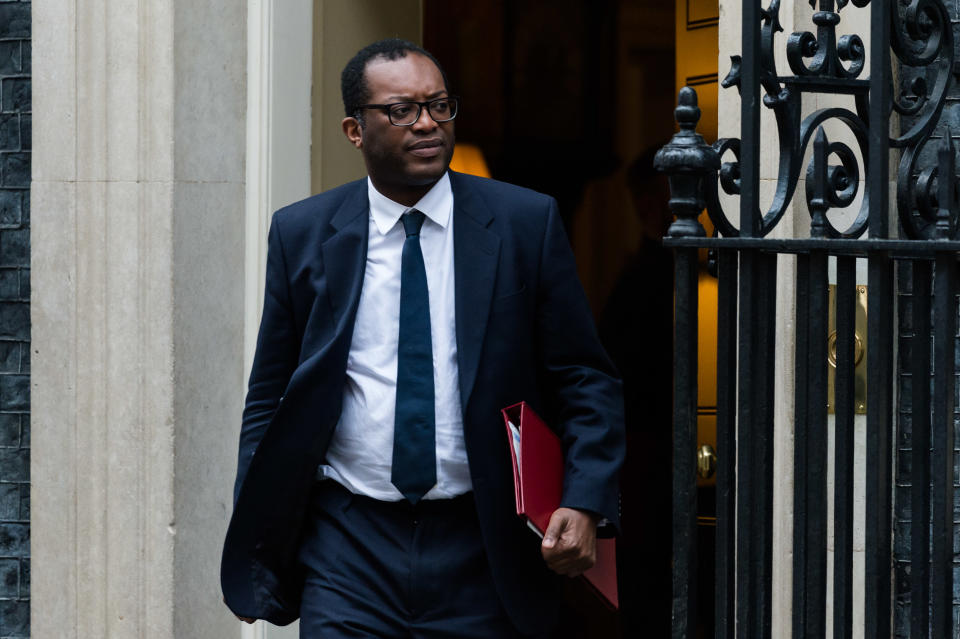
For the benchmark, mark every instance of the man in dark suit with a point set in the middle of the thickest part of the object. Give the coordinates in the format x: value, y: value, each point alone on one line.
x: 374, y: 493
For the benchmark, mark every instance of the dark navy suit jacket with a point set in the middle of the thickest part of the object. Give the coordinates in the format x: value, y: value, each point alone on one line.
x: 524, y: 332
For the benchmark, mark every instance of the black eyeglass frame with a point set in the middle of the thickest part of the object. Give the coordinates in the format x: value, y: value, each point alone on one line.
x: 386, y: 108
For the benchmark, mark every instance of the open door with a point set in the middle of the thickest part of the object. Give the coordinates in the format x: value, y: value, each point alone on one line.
x: 697, y: 28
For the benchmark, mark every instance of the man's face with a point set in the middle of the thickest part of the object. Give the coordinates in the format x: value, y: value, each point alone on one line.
x: 403, y: 161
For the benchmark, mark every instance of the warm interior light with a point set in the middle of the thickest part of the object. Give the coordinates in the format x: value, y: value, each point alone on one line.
x: 468, y: 158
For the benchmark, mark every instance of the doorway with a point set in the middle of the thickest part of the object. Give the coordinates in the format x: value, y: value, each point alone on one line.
x: 572, y: 98
x: 567, y: 97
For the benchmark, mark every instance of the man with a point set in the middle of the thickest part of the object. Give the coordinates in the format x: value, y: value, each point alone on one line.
x: 374, y: 492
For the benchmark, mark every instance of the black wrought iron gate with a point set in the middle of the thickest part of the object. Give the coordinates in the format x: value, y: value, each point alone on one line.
x: 915, y: 34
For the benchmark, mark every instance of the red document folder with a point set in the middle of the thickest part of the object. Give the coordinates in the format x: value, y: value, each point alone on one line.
x: 538, y: 483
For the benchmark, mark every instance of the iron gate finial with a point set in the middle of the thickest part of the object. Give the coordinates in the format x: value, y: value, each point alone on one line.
x: 686, y: 160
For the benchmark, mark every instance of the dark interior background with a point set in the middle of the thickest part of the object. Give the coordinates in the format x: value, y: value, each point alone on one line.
x: 547, y: 86
x: 565, y: 97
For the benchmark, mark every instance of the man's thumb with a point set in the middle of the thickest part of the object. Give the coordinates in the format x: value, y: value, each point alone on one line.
x: 554, y: 529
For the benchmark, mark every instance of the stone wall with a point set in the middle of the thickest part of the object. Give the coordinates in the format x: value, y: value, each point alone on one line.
x: 15, y: 129
x: 902, y: 490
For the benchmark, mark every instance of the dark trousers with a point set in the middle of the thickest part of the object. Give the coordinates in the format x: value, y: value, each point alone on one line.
x: 393, y: 570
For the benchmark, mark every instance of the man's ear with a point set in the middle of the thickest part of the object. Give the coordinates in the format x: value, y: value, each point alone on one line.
x: 353, y: 131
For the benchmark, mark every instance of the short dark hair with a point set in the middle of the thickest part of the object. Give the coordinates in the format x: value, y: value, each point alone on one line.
x: 353, y: 82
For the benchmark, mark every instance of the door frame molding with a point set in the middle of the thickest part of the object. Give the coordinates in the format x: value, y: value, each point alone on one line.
x: 279, y: 76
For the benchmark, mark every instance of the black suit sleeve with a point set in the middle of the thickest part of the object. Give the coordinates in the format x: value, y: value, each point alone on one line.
x: 278, y: 348
x: 581, y: 382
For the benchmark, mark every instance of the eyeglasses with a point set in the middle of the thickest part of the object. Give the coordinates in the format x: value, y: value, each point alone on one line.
x: 407, y: 113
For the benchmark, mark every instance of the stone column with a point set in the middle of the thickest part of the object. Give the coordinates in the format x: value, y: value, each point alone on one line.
x: 137, y: 313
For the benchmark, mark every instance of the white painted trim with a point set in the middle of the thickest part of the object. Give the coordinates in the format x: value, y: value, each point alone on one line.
x: 279, y: 74
x: 254, y: 631
x: 258, y: 40
x: 257, y: 192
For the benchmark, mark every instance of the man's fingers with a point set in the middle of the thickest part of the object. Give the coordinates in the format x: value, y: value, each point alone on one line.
x: 572, y: 558
x: 572, y: 568
x: 569, y: 543
x: 243, y: 619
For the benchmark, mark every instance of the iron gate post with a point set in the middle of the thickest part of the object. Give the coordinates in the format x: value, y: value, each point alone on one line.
x: 918, y: 34
x: 686, y: 160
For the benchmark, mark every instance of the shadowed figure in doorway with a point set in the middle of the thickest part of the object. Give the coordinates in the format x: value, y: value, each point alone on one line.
x: 636, y: 328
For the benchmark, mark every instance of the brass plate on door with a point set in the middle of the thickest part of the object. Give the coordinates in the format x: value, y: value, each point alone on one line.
x: 859, y: 356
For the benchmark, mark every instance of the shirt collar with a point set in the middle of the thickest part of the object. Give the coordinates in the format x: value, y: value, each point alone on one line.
x: 436, y: 204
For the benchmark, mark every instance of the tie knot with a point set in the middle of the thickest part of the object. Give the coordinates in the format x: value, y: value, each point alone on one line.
x: 412, y: 221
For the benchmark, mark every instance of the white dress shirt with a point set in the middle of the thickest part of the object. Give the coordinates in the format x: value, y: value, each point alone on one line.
x: 360, y: 455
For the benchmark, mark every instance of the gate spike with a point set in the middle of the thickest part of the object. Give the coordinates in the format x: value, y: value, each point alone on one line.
x: 817, y: 200
x: 945, y: 187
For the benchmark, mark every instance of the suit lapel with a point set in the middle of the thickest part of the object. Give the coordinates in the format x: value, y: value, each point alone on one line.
x: 476, y: 254
x: 344, y: 257
x: 344, y: 261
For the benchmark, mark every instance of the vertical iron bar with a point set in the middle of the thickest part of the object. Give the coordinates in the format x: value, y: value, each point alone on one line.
x: 685, y: 446
x: 747, y: 578
x: 810, y: 540
x: 920, y: 454
x: 747, y: 386
x: 879, y: 485
x: 878, y: 174
x: 750, y: 120
x: 726, y: 440
x: 878, y: 588
x: 843, y: 437
x: 800, y: 429
x: 945, y: 325
x: 817, y: 447
x: 763, y: 442
x: 754, y: 501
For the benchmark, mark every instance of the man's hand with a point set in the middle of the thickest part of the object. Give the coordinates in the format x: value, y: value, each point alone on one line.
x: 570, y: 543
x: 243, y: 619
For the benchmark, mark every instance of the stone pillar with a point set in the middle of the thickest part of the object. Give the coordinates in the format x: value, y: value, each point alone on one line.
x: 137, y: 313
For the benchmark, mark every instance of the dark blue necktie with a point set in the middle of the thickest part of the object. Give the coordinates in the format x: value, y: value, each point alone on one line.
x: 414, y: 441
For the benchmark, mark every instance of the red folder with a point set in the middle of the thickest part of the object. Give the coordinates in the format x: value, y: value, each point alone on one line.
x: 538, y: 483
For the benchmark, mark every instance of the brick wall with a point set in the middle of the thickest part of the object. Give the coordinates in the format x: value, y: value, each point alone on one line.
x: 906, y: 337
x: 15, y: 122
x: 903, y: 487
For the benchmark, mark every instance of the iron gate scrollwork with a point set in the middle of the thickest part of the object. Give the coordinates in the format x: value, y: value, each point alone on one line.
x: 849, y: 171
